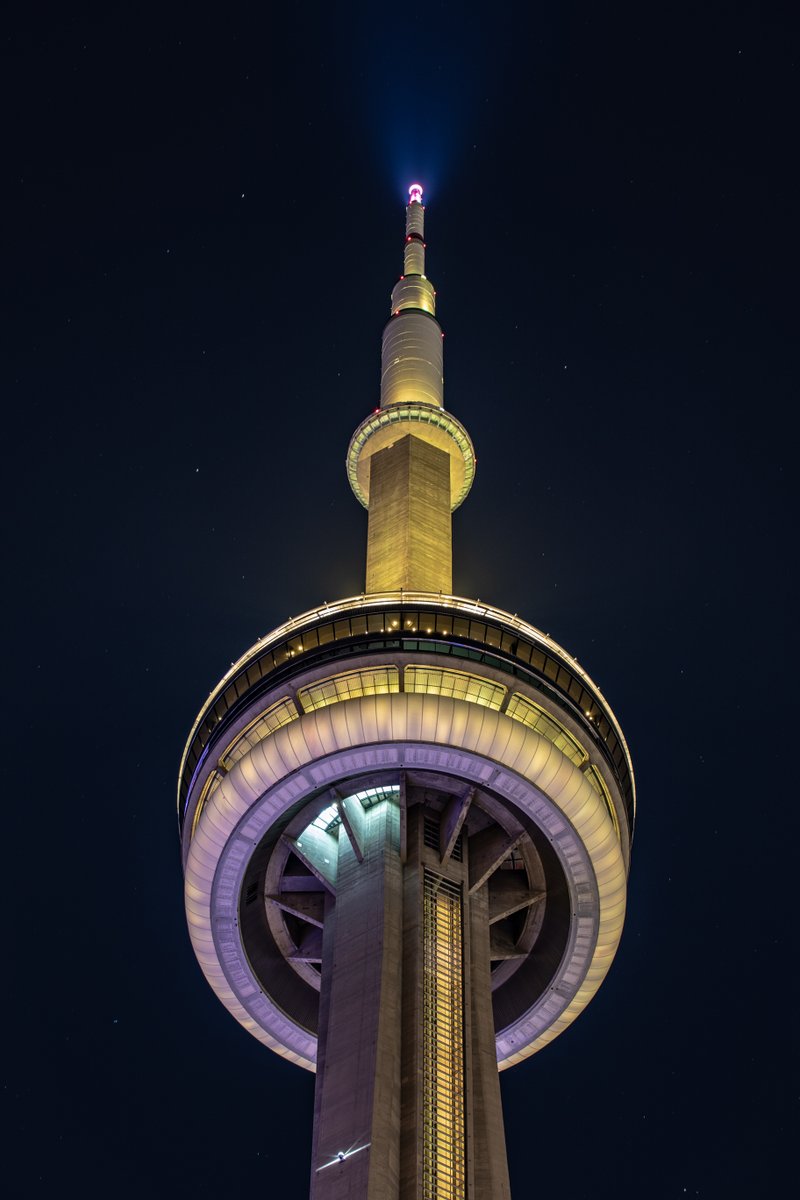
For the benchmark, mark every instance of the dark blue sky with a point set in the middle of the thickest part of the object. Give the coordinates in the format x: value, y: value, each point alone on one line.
x: 203, y: 222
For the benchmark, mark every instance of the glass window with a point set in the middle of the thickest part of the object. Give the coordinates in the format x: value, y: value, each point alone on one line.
x: 508, y: 643
x: 524, y: 651
x: 278, y: 714
x: 370, y: 681
x: 563, y: 679
x: 520, y: 708
x: 445, y: 681
x: 209, y: 787
x: 443, y: 1092
x: 599, y: 785
x: 538, y: 658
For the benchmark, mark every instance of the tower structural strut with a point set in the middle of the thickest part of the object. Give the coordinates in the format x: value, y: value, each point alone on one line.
x: 406, y: 821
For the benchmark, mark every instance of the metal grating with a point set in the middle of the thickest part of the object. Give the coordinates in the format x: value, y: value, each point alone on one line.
x: 431, y: 837
x: 430, y: 832
x: 443, y: 1157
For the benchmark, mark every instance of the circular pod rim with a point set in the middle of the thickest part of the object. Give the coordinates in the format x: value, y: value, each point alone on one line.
x: 394, y: 731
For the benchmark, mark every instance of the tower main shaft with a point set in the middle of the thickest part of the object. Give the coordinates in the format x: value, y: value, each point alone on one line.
x: 407, y: 1074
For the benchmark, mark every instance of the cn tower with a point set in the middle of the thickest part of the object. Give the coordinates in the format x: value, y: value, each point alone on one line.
x: 406, y: 821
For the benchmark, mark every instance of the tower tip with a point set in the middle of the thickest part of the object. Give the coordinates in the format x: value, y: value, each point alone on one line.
x: 415, y: 193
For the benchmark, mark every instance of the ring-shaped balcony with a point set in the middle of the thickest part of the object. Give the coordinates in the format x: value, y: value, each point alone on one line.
x: 435, y: 425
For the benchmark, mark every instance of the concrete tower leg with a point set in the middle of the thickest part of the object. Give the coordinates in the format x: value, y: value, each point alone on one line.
x: 411, y: 1092
x: 486, y: 1134
x: 469, y: 1108
x: 356, y: 1148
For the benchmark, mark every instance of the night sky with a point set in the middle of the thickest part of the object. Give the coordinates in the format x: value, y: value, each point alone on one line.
x: 203, y: 219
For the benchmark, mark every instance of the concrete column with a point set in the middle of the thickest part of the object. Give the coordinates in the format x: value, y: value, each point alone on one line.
x: 486, y: 1139
x: 409, y: 538
x: 357, y: 1098
x: 411, y: 1087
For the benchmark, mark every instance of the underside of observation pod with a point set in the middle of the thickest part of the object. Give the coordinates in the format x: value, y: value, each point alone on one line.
x: 488, y: 742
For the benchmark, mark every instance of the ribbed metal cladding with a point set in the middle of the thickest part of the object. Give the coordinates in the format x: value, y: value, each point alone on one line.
x: 411, y: 361
x: 415, y: 219
x: 444, y: 1119
x: 414, y: 258
x: 414, y: 292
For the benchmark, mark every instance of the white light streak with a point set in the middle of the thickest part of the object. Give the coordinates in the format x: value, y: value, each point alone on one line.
x: 341, y: 1155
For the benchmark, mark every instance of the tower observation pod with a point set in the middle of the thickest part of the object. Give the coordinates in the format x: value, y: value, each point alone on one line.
x: 406, y: 821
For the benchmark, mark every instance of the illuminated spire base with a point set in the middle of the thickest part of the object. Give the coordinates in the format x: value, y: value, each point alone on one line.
x: 411, y: 463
